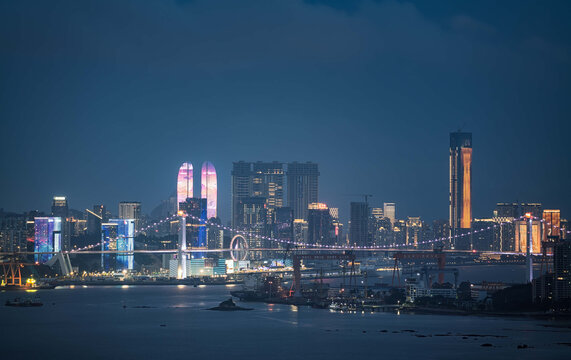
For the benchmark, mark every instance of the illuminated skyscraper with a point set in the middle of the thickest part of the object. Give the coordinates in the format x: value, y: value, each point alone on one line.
x: 60, y: 209
x: 241, y: 188
x: 130, y: 210
x: 551, y: 223
x: 413, y: 231
x: 47, y: 237
x: 320, y: 225
x: 460, y: 195
x: 389, y: 211
x: 184, y: 184
x: 208, y: 188
x: 302, y: 187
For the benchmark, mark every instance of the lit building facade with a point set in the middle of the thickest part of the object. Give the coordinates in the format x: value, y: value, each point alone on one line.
x: 209, y: 188
x: 390, y: 211
x: 413, y: 231
x: 108, y: 243
x: 521, y: 228
x: 125, y: 242
x: 195, y: 209
x: 47, y: 237
x: 184, y: 184
x: 460, y: 195
x: 551, y: 223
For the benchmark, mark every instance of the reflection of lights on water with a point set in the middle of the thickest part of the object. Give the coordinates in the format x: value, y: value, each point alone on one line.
x: 181, y: 286
x: 124, y: 286
x: 230, y: 285
x: 84, y: 286
x: 293, y: 308
x: 31, y: 290
x: 72, y: 286
x: 201, y: 286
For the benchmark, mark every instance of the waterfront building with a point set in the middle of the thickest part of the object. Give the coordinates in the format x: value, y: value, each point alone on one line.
x: 320, y: 225
x: 359, y: 225
x: 195, y: 211
x: 184, y: 184
x: 390, y: 211
x: 108, y: 243
x: 47, y: 237
x: 302, y: 187
x: 131, y: 210
x: 562, y: 270
x: 209, y: 188
x: 16, y: 232
x: 60, y: 209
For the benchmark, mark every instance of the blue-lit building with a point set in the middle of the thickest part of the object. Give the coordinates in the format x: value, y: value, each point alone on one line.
x: 108, y: 243
x: 118, y: 235
x: 196, y: 211
x: 125, y: 242
x: 47, y: 237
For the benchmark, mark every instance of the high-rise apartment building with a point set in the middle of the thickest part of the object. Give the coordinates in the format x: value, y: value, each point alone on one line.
x: 516, y: 210
x: 268, y: 182
x: 390, y: 211
x: 131, y: 210
x: 241, y: 187
x: 562, y: 270
x: 359, y: 226
x: 460, y: 195
x: 302, y: 187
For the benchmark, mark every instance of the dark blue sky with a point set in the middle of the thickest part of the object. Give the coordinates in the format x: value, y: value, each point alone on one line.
x: 103, y: 100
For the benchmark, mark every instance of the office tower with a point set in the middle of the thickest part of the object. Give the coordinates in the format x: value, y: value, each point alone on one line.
x: 521, y: 233
x: 283, y: 226
x: 268, y: 182
x: 460, y: 195
x: 131, y: 210
x: 60, y: 209
x: 209, y: 188
x: 516, y: 210
x: 302, y: 187
x: 334, y: 212
x: 359, y: 226
x: 485, y: 239
x: 184, y: 184
x: 413, y: 231
x: 390, y: 211
x: 253, y: 217
x: 14, y: 232
x: 319, y: 225
x: 214, y: 234
x: 108, y: 243
x: 378, y: 213
x: 125, y: 242
x: 241, y: 187
x: 195, y: 209
x: 300, y: 231
x: 562, y: 270
x: 551, y: 224
x: 47, y: 237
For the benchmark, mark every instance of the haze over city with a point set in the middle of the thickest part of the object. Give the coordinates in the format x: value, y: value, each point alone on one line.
x: 101, y: 109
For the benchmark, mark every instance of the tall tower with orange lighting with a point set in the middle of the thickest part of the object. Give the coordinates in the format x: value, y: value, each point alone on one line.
x: 460, y: 195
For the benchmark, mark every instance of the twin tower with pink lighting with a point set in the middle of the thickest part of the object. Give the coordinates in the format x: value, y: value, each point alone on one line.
x: 208, y: 186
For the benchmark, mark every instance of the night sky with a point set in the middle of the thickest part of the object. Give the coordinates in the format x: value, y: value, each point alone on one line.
x: 102, y: 101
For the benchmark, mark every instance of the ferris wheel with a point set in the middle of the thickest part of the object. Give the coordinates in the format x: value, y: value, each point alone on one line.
x: 238, y: 248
